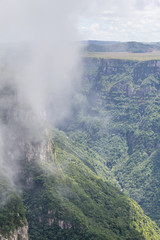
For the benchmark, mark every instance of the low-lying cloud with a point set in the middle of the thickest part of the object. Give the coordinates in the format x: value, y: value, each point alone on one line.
x: 39, y: 71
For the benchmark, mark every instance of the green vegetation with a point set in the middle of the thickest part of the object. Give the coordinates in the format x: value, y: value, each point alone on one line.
x: 117, y: 119
x: 12, y: 213
x: 68, y: 201
x: 110, y: 147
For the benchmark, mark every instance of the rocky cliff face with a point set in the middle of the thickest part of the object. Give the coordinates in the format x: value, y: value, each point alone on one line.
x: 145, y: 69
x: 21, y: 233
x: 23, y: 139
x: 23, y: 133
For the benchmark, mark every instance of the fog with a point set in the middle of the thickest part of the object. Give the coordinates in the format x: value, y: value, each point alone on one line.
x: 39, y: 72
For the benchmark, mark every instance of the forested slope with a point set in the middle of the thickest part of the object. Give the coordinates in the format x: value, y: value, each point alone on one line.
x: 67, y: 200
x: 112, y: 138
x: 117, y: 116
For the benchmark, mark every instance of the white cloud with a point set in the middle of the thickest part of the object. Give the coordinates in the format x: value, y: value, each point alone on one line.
x: 123, y: 20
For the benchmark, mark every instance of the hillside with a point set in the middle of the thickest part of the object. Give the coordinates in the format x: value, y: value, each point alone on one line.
x: 64, y: 199
x: 113, y: 46
x: 121, y: 50
x: 73, y: 184
x: 13, y: 223
x: 116, y: 116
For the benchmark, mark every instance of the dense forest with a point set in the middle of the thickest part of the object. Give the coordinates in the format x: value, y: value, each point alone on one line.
x: 66, y: 199
x: 100, y: 179
x: 117, y: 118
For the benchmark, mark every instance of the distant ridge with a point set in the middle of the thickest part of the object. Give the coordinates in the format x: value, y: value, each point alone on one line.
x: 116, y: 46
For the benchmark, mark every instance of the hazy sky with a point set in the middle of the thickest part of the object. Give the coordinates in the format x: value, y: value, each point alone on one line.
x: 123, y: 20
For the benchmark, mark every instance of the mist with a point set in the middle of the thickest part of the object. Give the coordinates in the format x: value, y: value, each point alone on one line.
x: 40, y: 70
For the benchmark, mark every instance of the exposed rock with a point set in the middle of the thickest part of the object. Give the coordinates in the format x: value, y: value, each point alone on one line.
x: 50, y: 221
x: 19, y: 234
x: 64, y: 225
x: 130, y: 91
x: 144, y: 69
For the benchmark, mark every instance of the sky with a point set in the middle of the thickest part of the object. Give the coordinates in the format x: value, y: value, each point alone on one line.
x: 122, y: 20
x: 107, y: 20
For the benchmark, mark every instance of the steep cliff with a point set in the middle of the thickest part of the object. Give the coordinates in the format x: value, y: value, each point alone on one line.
x: 13, y: 223
x: 21, y: 139
x: 67, y: 200
x: 21, y: 233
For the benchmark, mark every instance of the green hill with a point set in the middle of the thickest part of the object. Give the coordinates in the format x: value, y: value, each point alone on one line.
x: 113, y: 46
x: 65, y: 199
x: 117, y: 118
x: 74, y: 186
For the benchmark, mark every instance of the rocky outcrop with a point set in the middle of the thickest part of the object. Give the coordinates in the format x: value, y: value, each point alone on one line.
x: 146, y: 68
x: 21, y: 233
x: 52, y: 219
